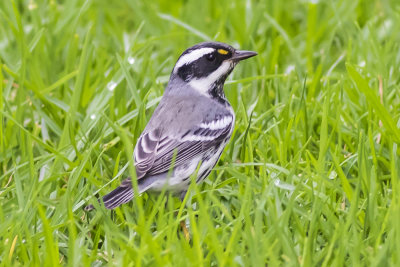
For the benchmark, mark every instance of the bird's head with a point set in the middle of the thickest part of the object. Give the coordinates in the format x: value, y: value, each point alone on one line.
x: 206, y: 66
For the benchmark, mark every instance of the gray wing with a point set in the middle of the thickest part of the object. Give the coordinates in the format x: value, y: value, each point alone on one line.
x: 154, y: 153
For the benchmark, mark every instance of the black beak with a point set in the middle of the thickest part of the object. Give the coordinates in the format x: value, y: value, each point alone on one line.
x: 243, y: 54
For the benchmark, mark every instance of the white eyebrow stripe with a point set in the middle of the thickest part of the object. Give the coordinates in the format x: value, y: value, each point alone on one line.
x: 192, y: 56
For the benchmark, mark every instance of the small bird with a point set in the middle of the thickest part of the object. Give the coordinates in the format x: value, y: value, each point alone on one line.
x: 189, y: 128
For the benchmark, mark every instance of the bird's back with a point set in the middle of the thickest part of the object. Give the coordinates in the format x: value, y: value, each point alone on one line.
x: 177, y: 114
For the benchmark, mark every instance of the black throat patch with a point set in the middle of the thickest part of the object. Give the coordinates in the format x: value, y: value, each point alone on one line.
x: 217, y: 91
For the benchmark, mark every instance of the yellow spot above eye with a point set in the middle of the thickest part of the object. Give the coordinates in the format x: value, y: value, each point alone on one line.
x: 222, y: 51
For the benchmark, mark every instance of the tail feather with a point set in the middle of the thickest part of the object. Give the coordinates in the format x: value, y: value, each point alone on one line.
x: 117, y: 197
x: 124, y: 193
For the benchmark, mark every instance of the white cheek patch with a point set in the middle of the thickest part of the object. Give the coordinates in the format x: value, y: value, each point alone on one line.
x: 192, y: 56
x: 218, y: 124
x: 203, y: 84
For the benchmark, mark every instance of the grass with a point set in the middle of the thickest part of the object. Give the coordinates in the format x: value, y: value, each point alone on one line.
x: 310, y: 177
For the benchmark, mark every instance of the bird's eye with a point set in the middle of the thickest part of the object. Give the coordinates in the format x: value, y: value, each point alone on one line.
x: 210, y: 57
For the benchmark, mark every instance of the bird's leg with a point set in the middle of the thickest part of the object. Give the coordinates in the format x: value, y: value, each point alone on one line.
x: 185, y: 230
x: 183, y: 223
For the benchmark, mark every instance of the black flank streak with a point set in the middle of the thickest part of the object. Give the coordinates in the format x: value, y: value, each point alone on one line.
x: 185, y: 134
x: 199, y: 130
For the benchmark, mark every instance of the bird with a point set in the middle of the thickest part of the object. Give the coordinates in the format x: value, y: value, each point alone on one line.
x: 189, y: 128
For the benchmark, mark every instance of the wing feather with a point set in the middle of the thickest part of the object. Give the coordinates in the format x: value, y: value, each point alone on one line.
x: 154, y: 153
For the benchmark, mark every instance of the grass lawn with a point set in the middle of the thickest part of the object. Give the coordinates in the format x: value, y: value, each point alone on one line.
x: 310, y: 177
